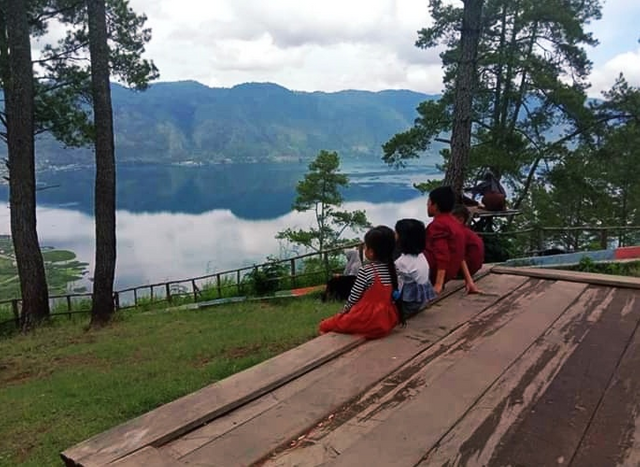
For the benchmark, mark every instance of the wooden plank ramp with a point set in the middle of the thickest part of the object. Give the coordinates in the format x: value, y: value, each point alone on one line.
x: 446, y: 386
x: 396, y: 349
x: 172, y: 420
x: 293, y: 416
x: 540, y: 369
x: 441, y: 414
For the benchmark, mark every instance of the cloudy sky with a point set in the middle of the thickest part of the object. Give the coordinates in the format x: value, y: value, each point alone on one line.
x: 336, y: 44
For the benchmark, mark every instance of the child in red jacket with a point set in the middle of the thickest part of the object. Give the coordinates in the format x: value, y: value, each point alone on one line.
x: 445, y: 244
x: 474, y: 246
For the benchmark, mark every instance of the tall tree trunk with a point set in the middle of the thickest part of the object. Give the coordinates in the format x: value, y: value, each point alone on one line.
x: 105, y: 187
x: 463, y: 97
x: 19, y: 106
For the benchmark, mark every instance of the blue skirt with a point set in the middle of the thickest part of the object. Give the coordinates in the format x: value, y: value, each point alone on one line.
x: 415, y: 297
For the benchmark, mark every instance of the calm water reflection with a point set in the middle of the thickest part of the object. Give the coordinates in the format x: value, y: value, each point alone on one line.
x: 165, y: 233
x: 250, y: 191
x: 154, y: 247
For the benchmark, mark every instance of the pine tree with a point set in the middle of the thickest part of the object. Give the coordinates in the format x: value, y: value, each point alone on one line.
x: 532, y: 75
x: 105, y: 185
x: 17, y: 75
x: 319, y: 192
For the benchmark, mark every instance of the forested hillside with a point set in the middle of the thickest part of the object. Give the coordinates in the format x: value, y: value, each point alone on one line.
x: 187, y: 121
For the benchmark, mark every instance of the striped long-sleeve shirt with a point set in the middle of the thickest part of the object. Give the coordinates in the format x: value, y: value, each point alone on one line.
x: 364, y: 280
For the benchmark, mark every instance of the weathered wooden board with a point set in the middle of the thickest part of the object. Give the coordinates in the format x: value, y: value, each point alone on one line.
x: 133, y: 435
x: 449, y: 385
x: 182, y: 415
x: 572, y: 276
x: 293, y: 416
x: 473, y: 439
x: 254, y: 439
x: 613, y: 436
x: 147, y: 457
x: 561, y: 415
x: 216, y: 428
x: 478, y: 212
x: 436, y: 321
x: 446, y: 315
x: 350, y: 422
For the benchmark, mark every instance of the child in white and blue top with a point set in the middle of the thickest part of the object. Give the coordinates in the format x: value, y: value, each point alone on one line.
x: 416, y: 290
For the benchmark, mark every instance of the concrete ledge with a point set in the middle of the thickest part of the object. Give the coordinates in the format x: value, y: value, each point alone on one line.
x: 182, y: 415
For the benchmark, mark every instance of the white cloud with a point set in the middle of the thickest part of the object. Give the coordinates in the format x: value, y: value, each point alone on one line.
x: 604, y: 76
x: 329, y: 45
x: 334, y: 44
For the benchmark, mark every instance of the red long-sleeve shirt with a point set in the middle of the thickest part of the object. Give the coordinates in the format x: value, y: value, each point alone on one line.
x: 474, y: 250
x: 445, y: 246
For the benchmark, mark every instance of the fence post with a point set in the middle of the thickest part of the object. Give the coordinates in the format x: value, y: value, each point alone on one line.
x: 116, y: 300
x: 16, y: 312
x: 151, y: 293
x: 604, y: 239
x: 293, y: 273
x: 540, y: 238
x: 218, y: 286
x: 194, y: 287
x: 69, y: 305
x: 168, y: 291
x: 135, y: 297
x: 238, y: 282
x: 326, y: 266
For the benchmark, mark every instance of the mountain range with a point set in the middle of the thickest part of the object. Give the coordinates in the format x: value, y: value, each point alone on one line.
x: 187, y: 122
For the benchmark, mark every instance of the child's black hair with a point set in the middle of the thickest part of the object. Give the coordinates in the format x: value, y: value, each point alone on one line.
x: 461, y: 212
x: 382, y: 241
x: 411, y: 236
x: 444, y: 198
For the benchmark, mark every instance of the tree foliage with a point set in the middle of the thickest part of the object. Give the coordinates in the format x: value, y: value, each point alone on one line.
x: 53, y: 96
x: 568, y: 161
x: 319, y: 192
x: 597, y: 182
x: 62, y: 71
x: 530, y: 95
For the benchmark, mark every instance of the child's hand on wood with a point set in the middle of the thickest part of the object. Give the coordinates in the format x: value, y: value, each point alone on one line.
x: 472, y: 288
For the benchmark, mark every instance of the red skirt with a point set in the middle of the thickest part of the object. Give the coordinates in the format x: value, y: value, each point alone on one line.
x: 373, y: 316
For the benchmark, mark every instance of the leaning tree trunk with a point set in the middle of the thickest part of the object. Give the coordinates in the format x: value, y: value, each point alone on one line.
x: 19, y: 109
x: 105, y: 187
x: 463, y: 96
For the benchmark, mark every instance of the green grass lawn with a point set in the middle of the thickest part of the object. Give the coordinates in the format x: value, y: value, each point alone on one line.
x: 61, y: 268
x: 62, y: 384
x: 56, y: 256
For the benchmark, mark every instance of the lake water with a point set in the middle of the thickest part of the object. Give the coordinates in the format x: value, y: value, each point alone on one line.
x: 174, y: 222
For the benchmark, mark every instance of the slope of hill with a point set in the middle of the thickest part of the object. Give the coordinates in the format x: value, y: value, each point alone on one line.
x: 188, y: 122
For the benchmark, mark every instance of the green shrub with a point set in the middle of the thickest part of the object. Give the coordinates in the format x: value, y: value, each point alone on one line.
x: 266, y: 279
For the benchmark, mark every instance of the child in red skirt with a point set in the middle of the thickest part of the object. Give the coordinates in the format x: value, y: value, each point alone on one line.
x: 370, y: 309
